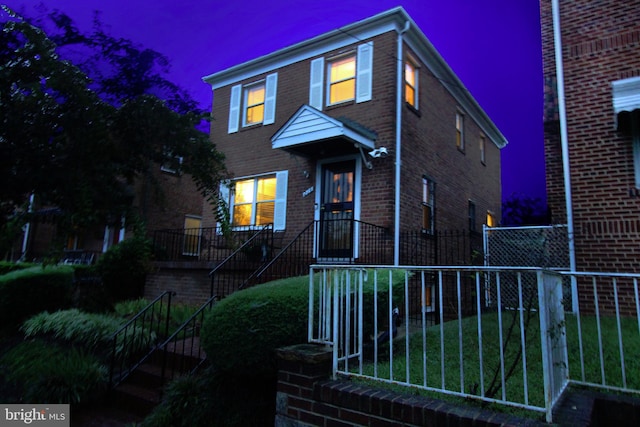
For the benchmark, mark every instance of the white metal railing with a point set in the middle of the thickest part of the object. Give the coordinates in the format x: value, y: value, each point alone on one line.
x: 463, y: 343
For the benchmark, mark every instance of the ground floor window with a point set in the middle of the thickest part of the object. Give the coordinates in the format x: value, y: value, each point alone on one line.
x: 192, y: 233
x: 257, y: 201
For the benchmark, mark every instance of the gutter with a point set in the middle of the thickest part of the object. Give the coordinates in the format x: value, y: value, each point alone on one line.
x: 400, y: 62
x: 564, y: 141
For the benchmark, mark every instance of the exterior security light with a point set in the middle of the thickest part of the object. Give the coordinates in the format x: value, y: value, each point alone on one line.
x: 379, y: 152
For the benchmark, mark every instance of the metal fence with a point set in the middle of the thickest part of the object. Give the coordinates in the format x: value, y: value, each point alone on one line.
x: 497, y: 352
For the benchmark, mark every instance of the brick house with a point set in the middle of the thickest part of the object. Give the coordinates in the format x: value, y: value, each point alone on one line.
x: 364, y: 127
x: 600, y: 46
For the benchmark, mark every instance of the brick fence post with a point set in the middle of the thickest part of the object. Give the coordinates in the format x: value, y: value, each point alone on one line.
x: 299, y: 368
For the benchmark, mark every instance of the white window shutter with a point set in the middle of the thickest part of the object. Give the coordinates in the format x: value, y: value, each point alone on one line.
x: 317, y: 82
x: 364, y: 72
x: 280, y: 209
x: 234, y: 108
x: 270, y: 99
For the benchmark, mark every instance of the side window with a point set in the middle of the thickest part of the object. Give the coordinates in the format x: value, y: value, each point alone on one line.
x: 483, y: 148
x: 428, y: 205
x: 347, y: 77
x: 460, y: 131
x: 411, y: 84
x: 491, y: 219
x: 254, y: 102
x: 472, y: 216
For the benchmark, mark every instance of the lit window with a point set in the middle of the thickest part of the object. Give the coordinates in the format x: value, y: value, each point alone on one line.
x: 254, y: 104
x: 491, y: 219
x: 428, y: 205
x: 411, y: 84
x: 472, y: 216
x: 254, y: 201
x: 192, y: 232
x: 460, y: 131
x: 342, y: 79
x: 483, y: 146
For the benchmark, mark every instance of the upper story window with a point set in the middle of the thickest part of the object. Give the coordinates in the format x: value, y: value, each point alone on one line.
x: 460, y: 131
x: 255, y: 101
x: 257, y: 201
x: 411, y: 84
x: 343, y: 78
x: 254, y: 104
x: 483, y: 149
x: 428, y: 205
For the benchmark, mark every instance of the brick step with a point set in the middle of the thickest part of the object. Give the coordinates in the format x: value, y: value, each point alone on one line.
x: 136, y: 399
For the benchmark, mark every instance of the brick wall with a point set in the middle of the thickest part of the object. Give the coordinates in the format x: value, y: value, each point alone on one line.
x: 190, y: 281
x: 307, y: 397
x: 601, y: 44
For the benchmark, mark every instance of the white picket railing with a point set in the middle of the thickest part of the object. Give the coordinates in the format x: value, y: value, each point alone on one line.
x: 472, y: 337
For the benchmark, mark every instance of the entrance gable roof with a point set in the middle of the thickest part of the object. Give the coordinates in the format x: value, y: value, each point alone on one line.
x: 309, y: 126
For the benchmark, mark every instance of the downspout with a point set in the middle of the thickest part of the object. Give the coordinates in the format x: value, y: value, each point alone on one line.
x: 396, y: 242
x: 564, y: 141
x: 27, y: 230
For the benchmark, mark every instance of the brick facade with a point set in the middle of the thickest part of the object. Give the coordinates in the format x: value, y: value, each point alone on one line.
x: 600, y: 44
x: 427, y: 137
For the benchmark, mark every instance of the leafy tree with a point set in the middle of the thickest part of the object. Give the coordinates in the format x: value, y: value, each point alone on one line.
x: 85, y: 116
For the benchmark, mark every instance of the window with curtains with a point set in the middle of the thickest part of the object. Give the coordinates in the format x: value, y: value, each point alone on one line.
x: 428, y: 205
x: 411, y: 84
x: 257, y: 201
x: 342, y: 78
x: 253, y: 103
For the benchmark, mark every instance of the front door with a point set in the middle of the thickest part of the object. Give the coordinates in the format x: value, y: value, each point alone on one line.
x: 337, y: 209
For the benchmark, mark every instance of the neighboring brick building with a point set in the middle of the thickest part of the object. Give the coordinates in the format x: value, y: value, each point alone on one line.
x: 601, y: 60
x: 364, y: 126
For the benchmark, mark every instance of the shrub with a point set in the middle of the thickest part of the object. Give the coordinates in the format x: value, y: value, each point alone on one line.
x: 242, y: 331
x: 8, y: 267
x: 92, y: 331
x: 124, y: 267
x: 32, y: 290
x: 45, y: 372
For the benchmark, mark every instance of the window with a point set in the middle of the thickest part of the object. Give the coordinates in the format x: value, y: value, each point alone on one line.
x: 428, y: 205
x: 172, y: 164
x: 257, y: 201
x: 491, y: 219
x: 342, y: 78
x: 411, y: 84
x: 192, y: 233
x: 472, y: 216
x: 483, y: 147
x: 254, y: 104
x: 460, y: 131
x: 256, y: 101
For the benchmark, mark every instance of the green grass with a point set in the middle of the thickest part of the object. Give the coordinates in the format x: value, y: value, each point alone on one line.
x: 514, y: 383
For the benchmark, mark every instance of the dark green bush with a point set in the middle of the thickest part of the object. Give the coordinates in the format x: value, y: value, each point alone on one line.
x: 24, y: 293
x: 242, y: 331
x: 40, y: 371
x: 124, y: 267
x: 8, y: 267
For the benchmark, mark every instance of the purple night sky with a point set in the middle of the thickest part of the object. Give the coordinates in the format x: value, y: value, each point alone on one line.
x: 492, y: 45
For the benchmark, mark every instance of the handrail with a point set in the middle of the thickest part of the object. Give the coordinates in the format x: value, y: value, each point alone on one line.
x: 242, y: 249
x: 137, y: 335
x: 188, y: 332
x: 273, y: 260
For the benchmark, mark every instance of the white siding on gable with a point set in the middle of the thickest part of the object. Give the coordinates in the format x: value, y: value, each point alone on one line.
x: 280, y: 208
x: 270, y: 99
x: 364, y: 72
x: 307, y: 122
x: 234, y: 108
x: 317, y: 83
